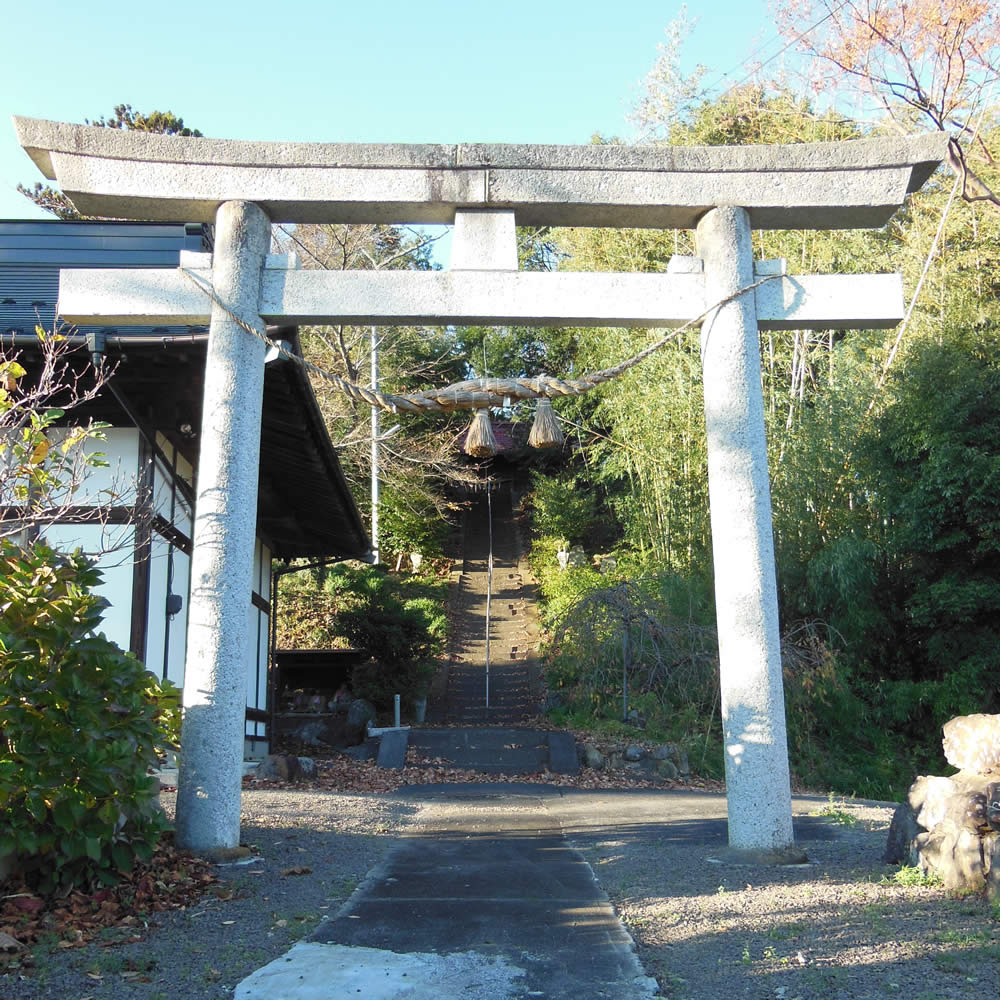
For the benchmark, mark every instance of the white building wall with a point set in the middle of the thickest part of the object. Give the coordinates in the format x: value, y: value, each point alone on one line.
x: 112, y: 545
x: 258, y: 623
x: 115, y: 481
x: 166, y: 637
x: 116, y: 484
x: 117, y: 568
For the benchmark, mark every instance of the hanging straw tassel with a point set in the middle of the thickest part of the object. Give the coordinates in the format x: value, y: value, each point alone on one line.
x: 479, y: 440
x: 545, y: 431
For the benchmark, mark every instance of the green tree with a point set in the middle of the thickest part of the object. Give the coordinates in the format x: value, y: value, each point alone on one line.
x: 912, y: 635
x: 41, y: 469
x: 933, y: 463
x: 417, y: 461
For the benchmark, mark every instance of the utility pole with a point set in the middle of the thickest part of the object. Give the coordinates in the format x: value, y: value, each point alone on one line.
x: 375, y: 433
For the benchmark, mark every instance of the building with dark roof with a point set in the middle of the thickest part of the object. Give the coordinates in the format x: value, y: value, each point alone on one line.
x: 153, y: 406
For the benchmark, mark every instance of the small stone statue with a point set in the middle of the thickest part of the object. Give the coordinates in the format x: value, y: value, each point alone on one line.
x: 340, y: 700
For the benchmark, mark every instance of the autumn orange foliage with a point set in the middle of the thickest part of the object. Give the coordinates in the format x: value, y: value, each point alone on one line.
x: 920, y: 60
x: 935, y: 57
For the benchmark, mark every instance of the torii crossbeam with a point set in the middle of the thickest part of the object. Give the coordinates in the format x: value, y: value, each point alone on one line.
x: 721, y: 192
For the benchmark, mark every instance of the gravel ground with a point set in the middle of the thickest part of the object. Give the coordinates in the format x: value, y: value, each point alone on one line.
x: 831, y: 930
x: 202, y: 953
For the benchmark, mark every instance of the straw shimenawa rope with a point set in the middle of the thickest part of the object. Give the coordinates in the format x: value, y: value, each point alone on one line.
x: 472, y: 394
x: 480, y: 441
x: 545, y: 430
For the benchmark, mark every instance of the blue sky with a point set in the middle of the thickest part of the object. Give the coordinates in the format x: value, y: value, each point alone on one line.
x: 436, y: 71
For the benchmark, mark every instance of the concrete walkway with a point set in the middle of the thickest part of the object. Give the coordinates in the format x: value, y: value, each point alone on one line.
x: 486, y: 899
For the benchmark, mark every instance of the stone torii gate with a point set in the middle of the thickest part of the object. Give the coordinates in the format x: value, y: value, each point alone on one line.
x: 721, y: 192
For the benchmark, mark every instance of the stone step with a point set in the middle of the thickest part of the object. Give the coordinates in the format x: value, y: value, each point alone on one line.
x: 492, y: 750
x: 510, y: 614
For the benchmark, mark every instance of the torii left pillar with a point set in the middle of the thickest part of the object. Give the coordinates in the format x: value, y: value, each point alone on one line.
x: 211, y: 762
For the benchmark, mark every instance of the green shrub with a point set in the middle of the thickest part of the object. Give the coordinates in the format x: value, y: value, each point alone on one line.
x: 78, y: 728
x: 565, y: 507
x: 167, y: 701
x: 410, y: 521
x: 672, y: 659
x: 559, y: 589
x: 400, y: 624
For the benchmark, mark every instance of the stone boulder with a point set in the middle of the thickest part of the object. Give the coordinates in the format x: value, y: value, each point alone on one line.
x: 951, y: 826
x: 943, y: 828
x: 667, y: 770
x: 972, y: 743
x: 676, y: 755
x: 591, y: 757
x: 359, y: 714
x: 314, y: 733
x: 285, y: 767
x: 636, y: 718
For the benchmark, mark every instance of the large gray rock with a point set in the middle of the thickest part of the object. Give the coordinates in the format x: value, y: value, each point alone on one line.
x: 972, y: 743
x: 312, y: 733
x: 901, y: 844
x: 285, y: 767
x: 676, y: 755
x: 960, y: 856
x: 938, y: 800
x: 666, y: 769
x: 992, y: 804
x: 359, y: 714
x: 942, y: 829
x: 993, y: 875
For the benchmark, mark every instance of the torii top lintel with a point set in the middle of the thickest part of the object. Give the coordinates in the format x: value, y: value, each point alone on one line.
x: 136, y: 175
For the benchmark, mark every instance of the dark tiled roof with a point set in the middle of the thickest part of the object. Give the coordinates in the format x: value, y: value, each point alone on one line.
x: 304, y: 505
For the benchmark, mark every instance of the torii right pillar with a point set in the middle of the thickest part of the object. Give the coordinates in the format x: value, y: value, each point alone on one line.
x: 746, y: 594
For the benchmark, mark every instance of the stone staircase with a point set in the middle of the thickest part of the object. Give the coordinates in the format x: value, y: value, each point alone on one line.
x: 469, y: 733
x: 507, y: 693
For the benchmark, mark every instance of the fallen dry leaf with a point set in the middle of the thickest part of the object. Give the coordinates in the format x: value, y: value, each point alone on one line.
x: 171, y: 880
x: 9, y: 945
x: 297, y: 870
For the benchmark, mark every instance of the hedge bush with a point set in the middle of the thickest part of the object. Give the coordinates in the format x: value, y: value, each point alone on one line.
x: 78, y: 728
x: 400, y: 629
